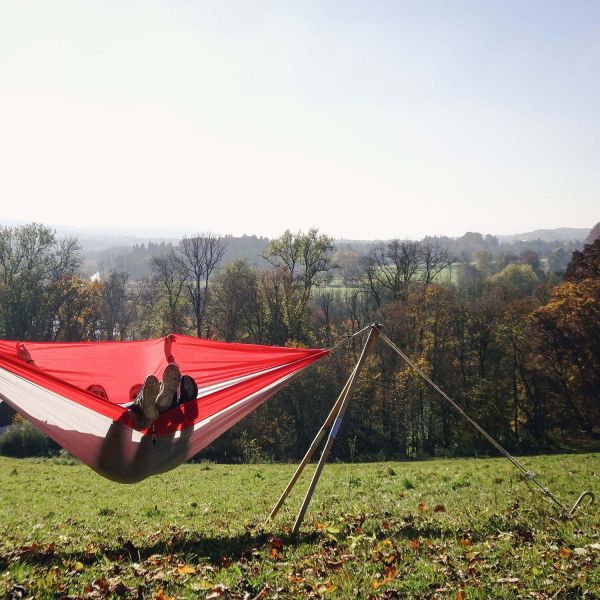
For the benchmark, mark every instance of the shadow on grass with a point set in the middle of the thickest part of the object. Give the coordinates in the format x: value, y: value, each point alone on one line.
x: 195, y: 548
x: 190, y: 547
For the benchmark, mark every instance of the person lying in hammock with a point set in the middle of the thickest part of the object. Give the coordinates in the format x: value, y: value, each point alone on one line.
x: 154, y: 397
x: 149, y: 399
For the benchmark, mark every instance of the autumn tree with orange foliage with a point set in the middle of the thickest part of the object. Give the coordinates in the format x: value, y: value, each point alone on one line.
x: 568, y: 327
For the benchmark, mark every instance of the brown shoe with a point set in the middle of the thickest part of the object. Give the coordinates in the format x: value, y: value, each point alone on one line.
x: 188, y: 389
x: 171, y: 377
x: 150, y: 391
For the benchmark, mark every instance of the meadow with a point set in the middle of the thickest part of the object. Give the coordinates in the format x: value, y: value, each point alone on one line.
x: 463, y: 528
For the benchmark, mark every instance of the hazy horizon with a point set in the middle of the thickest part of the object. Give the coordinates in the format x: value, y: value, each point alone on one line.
x: 158, y: 233
x: 368, y: 121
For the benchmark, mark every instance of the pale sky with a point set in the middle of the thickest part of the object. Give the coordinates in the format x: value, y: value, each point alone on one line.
x: 372, y: 119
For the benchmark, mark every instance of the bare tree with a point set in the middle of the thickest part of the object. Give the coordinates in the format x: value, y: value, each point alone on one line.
x: 199, y: 256
x: 118, y: 306
x: 434, y: 259
x: 169, y: 271
x: 390, y: 267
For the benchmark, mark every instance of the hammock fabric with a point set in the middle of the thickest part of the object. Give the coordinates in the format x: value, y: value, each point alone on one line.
x: 233, y: 380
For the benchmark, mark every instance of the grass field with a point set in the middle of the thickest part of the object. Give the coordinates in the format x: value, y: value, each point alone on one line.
x: 455, y: 529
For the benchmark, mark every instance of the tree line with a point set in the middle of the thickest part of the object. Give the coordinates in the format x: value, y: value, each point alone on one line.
x: 514, y: 341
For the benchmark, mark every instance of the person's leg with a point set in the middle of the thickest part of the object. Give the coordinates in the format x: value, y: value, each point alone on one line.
x: 168, y: 388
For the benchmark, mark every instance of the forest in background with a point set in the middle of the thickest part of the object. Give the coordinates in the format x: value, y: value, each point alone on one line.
x: 510, y: 330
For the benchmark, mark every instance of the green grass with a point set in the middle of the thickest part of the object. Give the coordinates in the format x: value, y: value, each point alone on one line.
x: 391, y: 530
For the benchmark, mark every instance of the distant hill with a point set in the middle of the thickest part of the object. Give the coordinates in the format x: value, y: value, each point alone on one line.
x: 561, y: 234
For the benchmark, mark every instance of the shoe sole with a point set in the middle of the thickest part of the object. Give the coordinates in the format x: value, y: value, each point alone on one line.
x: 149, y: 393
x: 189, y: 389
x: 171, y: 377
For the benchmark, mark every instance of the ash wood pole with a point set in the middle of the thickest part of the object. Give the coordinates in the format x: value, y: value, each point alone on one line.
x: 345, y: 398
x: 309, y: 454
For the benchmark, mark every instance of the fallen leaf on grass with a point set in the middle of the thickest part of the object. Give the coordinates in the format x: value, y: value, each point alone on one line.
x: 275, y: 542
x: 564, y: 552
x: 423, y: 506
x: 275, y: 554
x: 99, y: 584
x: 118, y: 588
x: 390, y: 574
x: 326, y: 588
x: 203, y: 584
x: 218, y: 591
x: 438, y: 508
x: 185, y: 570
x: 466, y: 542
x: 460, y: 595
x: 160, y: 594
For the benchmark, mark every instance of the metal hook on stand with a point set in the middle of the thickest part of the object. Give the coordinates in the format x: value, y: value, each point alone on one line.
x: 578, y: 502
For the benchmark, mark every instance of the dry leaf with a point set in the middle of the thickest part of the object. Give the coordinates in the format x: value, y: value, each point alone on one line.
x: 218, y: 591
x: 186, y: 570
x: 275, y: 554
x: 439, y: 508
x: 423, y: 506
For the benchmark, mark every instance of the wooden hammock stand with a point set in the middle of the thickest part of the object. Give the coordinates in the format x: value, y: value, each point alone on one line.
x: 334, y: 420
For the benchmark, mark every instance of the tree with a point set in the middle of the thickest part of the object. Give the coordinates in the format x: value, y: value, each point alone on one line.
x: 170, y: 275
x: 484, y: 262
x: 569, y: 345
x: 33, y: 266
x: 557, y: 261
x: 390, y: 267
x: 199, y: 256
x: 236, y: 306
x: 118, y: 305
x: 79, y: 314
x: 435, y: 258
x: 301, y: 257
x: 584, y: 264
x: 593, y: 235
x: 531, y: 258
x: 516, y: 281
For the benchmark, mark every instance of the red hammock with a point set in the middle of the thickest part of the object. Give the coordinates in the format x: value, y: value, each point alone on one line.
x: 233, y: 380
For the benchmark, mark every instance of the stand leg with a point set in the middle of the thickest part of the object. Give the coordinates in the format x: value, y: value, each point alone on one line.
x: 346, y: 394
